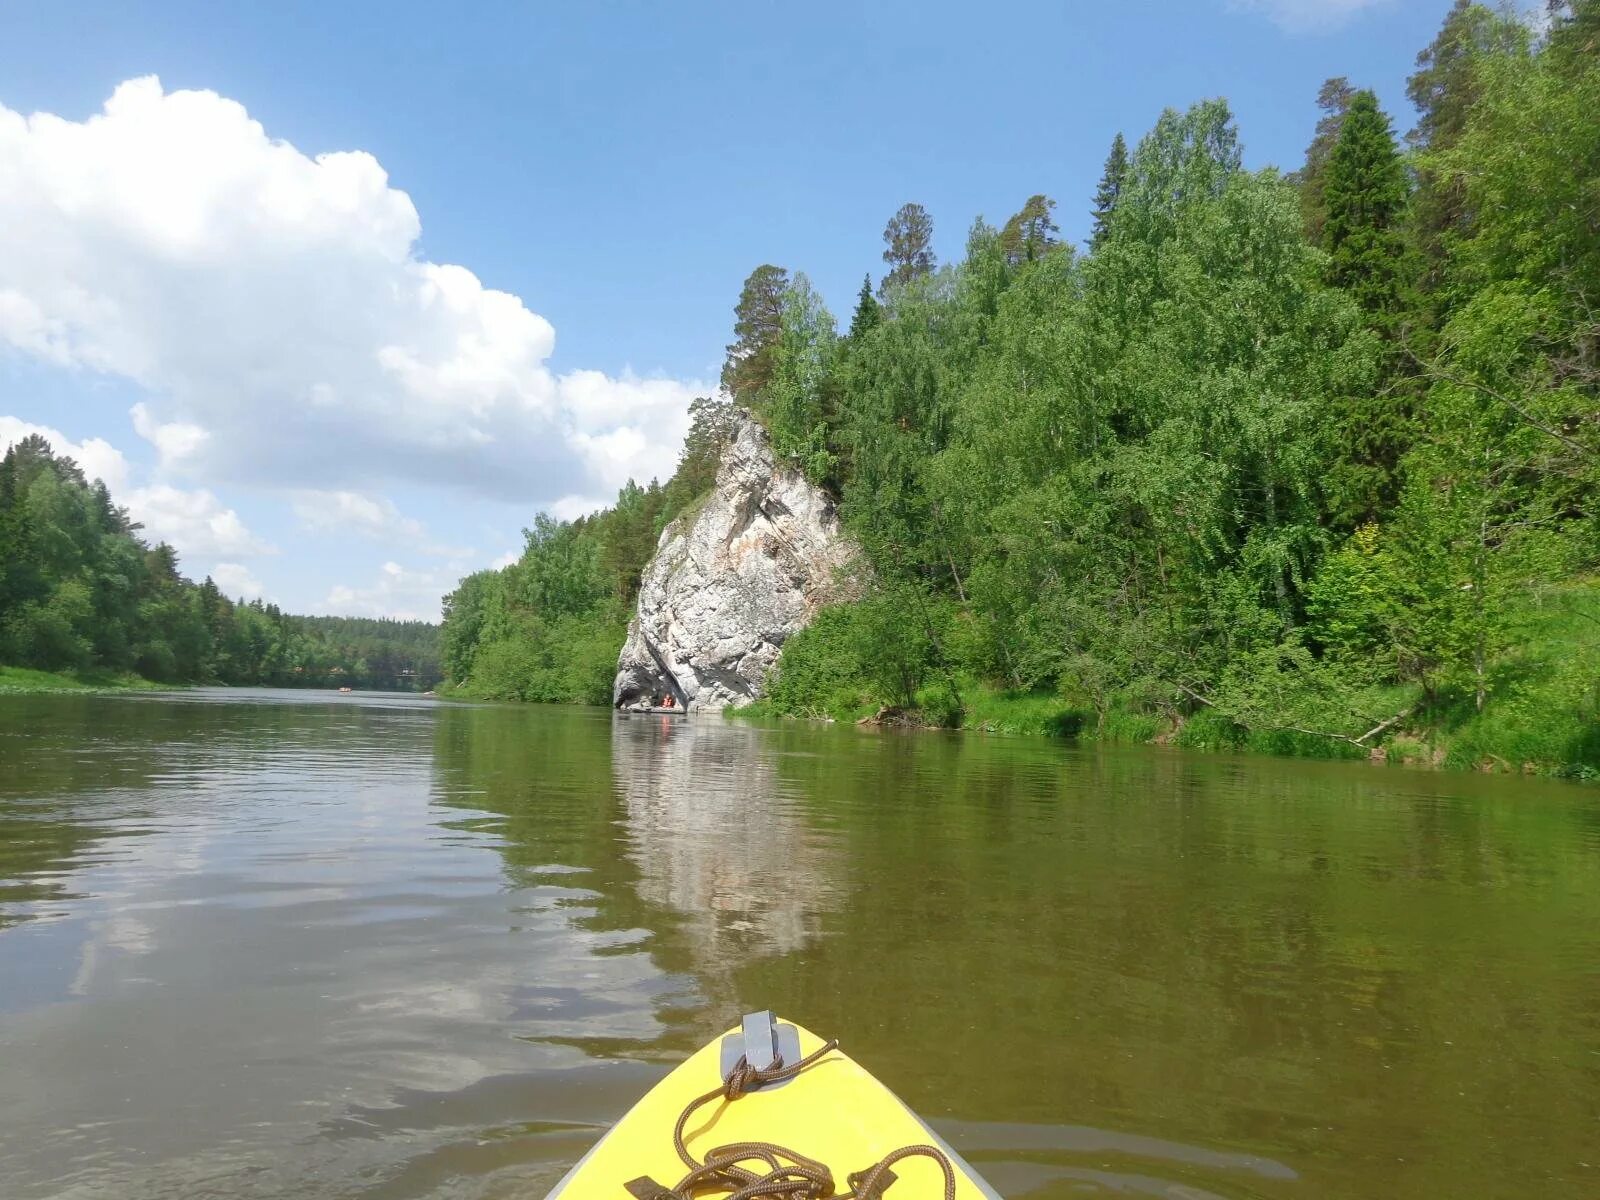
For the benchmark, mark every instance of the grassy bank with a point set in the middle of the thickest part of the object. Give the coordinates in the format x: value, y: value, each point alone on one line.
x: 24, y: 679
x: 1541, y: 711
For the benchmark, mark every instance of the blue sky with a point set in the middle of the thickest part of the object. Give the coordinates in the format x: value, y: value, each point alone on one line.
x: 276, y: 357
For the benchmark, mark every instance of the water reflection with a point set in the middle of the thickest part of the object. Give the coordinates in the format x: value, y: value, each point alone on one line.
x: 721, y: 839
x: 268, y: 946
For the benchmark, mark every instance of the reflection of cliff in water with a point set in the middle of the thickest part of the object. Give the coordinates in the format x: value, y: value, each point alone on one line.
x: 719, y: 838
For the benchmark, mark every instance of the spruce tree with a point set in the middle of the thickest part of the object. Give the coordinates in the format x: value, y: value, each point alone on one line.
x: 867, y: 314
x: 1365, y: 199
x: 1333, y: 99
x: 1110, y: 190
x: 908, y: 246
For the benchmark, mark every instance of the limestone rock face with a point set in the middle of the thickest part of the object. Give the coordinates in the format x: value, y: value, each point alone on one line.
x: 732, y: 580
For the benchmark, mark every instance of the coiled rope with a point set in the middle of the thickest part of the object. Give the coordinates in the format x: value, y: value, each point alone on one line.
x: 789, y: 1175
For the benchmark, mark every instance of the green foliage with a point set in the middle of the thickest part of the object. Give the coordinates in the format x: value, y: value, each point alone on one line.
x: 823, y: 671
x: 1304, y: 467
x: 868, y: 312
x: 757, y: 326
x: 1333, y: 98
x: 1216, y: 483
x: 798, y: 405
x: 854, y: 658
x: 1030, y: 233
x: 1109, y: 190
x: 1446, y: 89
x: 907, y: 247
x: 1364, y: 199
x: 26, y: 679
x: 81, y: 593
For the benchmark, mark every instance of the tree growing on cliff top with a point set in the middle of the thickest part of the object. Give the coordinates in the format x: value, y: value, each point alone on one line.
x: 757, y: 327
x: 907, y: 246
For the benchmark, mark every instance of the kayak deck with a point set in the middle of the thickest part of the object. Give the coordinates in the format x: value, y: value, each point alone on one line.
x: 832, y: 1111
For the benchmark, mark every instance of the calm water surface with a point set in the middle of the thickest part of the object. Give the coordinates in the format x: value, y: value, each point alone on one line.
x: 278, y: 945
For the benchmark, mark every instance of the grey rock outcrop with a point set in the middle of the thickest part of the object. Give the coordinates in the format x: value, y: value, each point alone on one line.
x: 732, y: 580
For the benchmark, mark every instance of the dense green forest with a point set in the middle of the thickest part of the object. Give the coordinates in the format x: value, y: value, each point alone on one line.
x: 82, y: 593
x: 1303, y: 462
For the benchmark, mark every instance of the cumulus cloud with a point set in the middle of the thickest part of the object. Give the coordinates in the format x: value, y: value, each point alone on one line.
x: 403, y: 593
x: 98, y: 458
x: 352, y: 512
x: 273, y: 306
x: 236, y: 581
x: 194, y: 523
x: 174, y: 441
x: 1306, y: 16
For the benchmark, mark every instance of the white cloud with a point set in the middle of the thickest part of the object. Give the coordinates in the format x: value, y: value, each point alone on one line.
x: 98, y: 458
x: 174, y: 442
x: 273, y: 307
x: 399, y: 592
x: 1306, y: 16
x: 570, y: 508
x: 505, y: 560
x: 236, y: 581
x: 194, y: 523
x: 352, y: 512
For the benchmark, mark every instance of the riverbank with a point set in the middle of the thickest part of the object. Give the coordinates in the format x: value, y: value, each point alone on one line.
x: 1527, y: 740
x: 1540, y: 715
x: 24, y: 679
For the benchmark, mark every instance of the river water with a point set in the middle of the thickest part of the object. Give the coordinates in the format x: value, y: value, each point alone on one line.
x: 270, y: 944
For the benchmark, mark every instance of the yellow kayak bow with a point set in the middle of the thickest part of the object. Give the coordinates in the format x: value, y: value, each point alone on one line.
x: 770, y: 1110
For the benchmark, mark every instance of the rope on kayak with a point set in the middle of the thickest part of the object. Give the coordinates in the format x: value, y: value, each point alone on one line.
x: 789, y: 1175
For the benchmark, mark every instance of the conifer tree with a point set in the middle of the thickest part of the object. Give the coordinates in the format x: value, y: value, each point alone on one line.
x: 1444, y: 88
x: 1333, y: 99
x: 867, y: 314
x: 908, y: 246
x: 1365, y: 199
x: 1029, y: 234
x: 1110, y: 189
x: 758, y: 325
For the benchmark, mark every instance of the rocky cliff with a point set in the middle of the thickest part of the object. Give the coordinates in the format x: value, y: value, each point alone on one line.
x: 732, y: 579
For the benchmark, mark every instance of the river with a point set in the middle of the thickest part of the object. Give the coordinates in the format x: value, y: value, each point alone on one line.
x: 272, y: 944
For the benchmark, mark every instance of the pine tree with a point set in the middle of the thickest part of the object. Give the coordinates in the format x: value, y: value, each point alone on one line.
x: 1365, y: 203
x: 1444, y: 88
x: 908, y: 246
x: 1030, y: 233
x: 758, y: 326
x: 867, y: 314
x: 1110, y: 190
x: 1333, y: 99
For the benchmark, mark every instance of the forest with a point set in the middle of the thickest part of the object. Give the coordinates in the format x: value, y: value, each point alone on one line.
x: 1301, y: 461
x: 82, y: 596
x: 1297, y: 461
